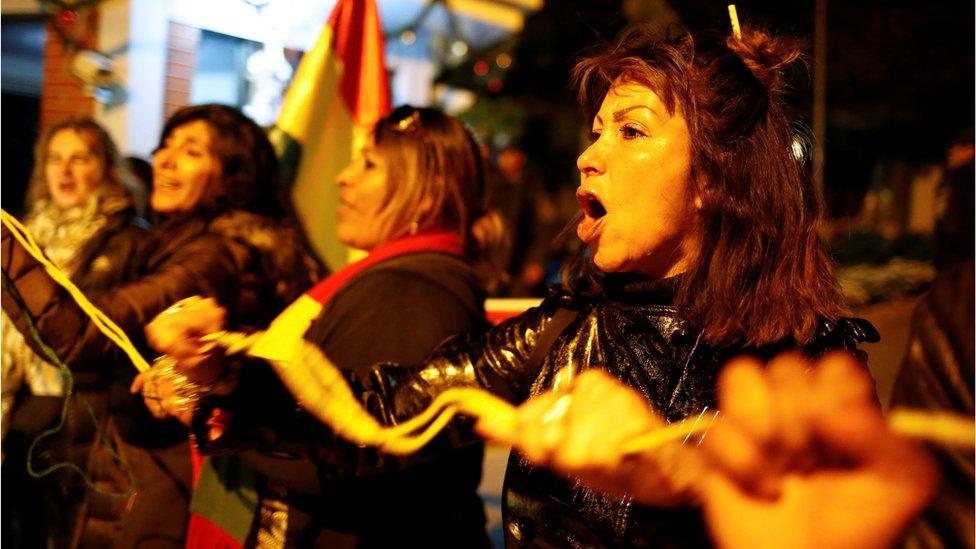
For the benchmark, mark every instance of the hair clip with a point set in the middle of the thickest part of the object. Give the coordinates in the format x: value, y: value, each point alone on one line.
x: 736, y: 30
x: 409, y: 124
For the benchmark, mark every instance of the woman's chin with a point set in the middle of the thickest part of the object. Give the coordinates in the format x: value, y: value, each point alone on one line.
x: 607, y: 263
x: 345, y: 236
x: 354, y: 241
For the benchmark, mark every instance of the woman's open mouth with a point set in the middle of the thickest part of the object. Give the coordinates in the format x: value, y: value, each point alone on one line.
x: 593, y: 214
x: 345, y: 207
x: 166, y: 184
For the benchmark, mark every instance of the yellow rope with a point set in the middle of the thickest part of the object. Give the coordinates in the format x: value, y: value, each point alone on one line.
x: 104, y: 323
x: 945, y: 428
x: 322, y: 390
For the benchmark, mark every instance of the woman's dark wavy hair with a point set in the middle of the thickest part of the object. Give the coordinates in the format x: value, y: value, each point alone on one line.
x: 761, y: 274
x: 247, y: 159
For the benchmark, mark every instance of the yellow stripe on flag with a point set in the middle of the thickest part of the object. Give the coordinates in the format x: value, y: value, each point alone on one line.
x: 315, y: 83
x: 281, y: 341
x: 339, y: 91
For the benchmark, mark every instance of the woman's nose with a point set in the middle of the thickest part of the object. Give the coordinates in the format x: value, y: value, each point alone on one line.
x: 592, y: 161
x: 162, y: 158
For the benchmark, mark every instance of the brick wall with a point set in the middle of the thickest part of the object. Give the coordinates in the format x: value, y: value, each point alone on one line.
x: 62, y: 95
x: 181, y: 60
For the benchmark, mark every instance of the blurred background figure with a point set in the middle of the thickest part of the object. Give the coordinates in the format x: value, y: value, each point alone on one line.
x: 83, y: 217
x: 954, y: 225
x: 937, y: 371
x: 937, y: 374
x: 535, y: 213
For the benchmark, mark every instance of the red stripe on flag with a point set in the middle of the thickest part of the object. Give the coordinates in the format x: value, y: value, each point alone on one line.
x: 358, y: 41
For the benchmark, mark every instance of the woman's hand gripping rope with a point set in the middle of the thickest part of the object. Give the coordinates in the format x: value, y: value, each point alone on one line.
x: 190, y: 368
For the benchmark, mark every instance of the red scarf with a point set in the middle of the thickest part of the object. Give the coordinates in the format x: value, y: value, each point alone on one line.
x: 204, y: 534
x: 434, y: 240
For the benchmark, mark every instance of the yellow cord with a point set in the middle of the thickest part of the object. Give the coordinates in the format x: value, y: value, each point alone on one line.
x: 103, y: 322
x: 945, y: 428
x: 320, y: 388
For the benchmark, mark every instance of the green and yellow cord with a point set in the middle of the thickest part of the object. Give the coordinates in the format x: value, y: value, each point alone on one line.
x: 24, y: 237
x: 103, y: 322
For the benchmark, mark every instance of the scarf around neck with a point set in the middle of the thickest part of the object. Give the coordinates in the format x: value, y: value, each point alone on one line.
x: 434, y: 240
x: 280, y: 340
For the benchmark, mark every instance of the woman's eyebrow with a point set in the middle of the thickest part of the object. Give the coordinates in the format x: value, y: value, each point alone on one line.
x: 620, y: 114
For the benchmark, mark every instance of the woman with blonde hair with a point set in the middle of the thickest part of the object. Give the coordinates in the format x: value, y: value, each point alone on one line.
x: 84, y: 218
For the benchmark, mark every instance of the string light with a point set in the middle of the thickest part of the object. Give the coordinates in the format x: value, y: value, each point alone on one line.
x: 459, y: 48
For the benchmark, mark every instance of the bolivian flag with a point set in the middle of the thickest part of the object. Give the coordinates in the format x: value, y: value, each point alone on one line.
x: 339, y: 92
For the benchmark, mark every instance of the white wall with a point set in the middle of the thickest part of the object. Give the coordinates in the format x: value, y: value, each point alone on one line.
x: 134, y: 33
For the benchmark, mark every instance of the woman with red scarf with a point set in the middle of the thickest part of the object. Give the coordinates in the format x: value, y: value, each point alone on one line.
x: 412, y: 199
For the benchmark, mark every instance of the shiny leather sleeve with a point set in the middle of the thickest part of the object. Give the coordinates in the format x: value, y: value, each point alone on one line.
x: 845, y: 333
x: 392, y: 393
x: 495, y: 361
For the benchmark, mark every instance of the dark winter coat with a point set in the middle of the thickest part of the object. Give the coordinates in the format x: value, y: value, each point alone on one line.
x: 631, y: 331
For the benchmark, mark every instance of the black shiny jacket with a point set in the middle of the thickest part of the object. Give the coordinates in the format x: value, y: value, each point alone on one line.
x: 630, y: 331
